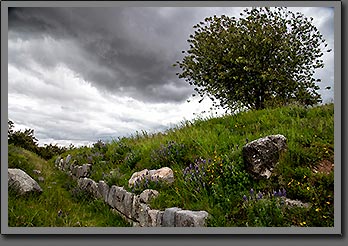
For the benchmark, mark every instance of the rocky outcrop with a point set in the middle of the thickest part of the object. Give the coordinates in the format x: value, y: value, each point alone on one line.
x: 164, y: 174
x: 262, y: 155
x: 22, y: 183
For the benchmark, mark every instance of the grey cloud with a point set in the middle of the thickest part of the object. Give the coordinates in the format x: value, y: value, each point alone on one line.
x: 124, y: 51
x: 128, y: 51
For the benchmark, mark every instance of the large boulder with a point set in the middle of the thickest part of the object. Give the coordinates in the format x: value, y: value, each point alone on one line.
x: 262, y: 155
x: 21, y: 182
x: 164, y: 174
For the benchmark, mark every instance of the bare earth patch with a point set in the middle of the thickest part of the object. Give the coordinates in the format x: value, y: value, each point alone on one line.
x: 325, y: 166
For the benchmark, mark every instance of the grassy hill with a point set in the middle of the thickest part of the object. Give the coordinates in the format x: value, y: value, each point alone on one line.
x: 304, y: 171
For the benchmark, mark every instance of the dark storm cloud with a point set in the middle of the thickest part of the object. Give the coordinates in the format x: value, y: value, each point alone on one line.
x: 128, y: 51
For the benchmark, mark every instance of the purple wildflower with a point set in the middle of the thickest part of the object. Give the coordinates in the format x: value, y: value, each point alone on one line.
x: 245, y: 198
x: 259, y: 196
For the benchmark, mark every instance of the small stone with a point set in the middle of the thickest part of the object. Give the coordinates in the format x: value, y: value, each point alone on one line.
x: 147, y: 195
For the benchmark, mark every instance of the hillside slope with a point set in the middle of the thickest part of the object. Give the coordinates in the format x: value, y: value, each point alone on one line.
x: 305, y: 171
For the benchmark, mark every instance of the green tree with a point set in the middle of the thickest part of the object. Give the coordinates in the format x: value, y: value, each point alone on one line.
x: 22, y: 139
x: 264, y: 57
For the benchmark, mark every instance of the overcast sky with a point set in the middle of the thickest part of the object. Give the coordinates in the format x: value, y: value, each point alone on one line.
x: 77, y: 75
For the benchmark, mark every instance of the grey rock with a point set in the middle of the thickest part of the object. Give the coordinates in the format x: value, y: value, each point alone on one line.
x: 168, y: 219
x: 127, y: 204
x: 164, y: 174
x: 56, y: 163
x: 143, y: 214
x: 121, y: 200
x: 68, y: 159
x: 61, y: 164
x: 103, y: 189
x: 89, y: 186
x: 111, y: 196
x: 41, y: 179
x: 138, y: 177
x: 147, y: 195
x: 136, y: 208
x: 154, y: 218
x: 81, y: 171
x: 262, y: 155
x: 296, y: 203
x: 21, y: 182
x: 188, y: 218
x: 67, y: 162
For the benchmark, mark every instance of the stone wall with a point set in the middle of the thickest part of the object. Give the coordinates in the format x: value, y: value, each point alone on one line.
x: 130, y: 206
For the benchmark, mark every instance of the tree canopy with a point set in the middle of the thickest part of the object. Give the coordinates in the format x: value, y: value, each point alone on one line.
x: 267, y: 56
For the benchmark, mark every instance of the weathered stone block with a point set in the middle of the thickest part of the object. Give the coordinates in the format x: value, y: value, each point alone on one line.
x: 154, y: 218
x: 188, y: 218
x: 112, y: 196
x: 143, y: 214
x: 168, y: 219
x: 128, y: 204
x: 89, y: 186
x: 103, y: 189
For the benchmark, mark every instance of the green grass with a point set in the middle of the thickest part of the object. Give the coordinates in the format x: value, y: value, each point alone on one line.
x: 216, y: 144
x: 59, y: 193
